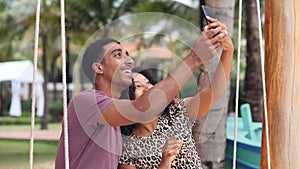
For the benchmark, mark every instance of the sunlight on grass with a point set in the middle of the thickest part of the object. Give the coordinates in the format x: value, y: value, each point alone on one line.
x: 14, y: 154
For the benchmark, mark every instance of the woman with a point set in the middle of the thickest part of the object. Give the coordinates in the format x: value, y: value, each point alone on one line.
x: 144, y: 142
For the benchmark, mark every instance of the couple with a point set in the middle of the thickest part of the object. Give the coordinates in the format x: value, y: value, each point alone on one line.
x: 95, y: 116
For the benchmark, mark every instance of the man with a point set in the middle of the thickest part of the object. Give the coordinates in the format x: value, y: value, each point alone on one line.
x: 94, y: 116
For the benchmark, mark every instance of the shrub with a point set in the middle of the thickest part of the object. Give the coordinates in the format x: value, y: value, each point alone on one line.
x: 56, y: 111
x: 18, y: 120
x: 26, y: 108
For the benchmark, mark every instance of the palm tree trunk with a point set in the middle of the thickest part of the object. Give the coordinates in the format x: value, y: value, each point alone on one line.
x: 210, y: 131
x: 253, y: 83
x: 45, y: 73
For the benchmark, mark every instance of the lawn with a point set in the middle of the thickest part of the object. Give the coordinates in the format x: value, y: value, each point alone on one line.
x: 14, y: 154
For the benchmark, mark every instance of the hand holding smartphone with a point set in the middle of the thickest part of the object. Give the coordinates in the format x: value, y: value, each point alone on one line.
x: 207, y: 11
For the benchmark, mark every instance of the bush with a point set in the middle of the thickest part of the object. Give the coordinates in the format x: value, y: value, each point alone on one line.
x: 26, y: 108
x: 56, y: 111
x: 18, y: 120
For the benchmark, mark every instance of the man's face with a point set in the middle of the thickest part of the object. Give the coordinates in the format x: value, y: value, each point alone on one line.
x: 117, y: 64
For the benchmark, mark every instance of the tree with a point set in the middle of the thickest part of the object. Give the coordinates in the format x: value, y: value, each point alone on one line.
x: 8, y: 29
x: 21, y: 33
x: 253, y: 83
x: 84, y: 18
x: 210, y: 131
x: 50, y: 39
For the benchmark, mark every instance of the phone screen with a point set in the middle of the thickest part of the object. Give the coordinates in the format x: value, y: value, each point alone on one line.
x: 207, y: 11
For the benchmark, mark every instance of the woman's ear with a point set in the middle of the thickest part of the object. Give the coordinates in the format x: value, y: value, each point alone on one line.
x: 97, y: 67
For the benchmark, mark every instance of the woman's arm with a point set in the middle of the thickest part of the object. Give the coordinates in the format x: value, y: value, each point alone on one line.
x: 126, y: 166
x: 201, y: 103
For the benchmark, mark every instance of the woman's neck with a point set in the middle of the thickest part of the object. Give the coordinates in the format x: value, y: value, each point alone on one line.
x: 145, y: 129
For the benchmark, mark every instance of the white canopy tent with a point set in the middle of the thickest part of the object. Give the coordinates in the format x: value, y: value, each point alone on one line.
x: 21, y: 72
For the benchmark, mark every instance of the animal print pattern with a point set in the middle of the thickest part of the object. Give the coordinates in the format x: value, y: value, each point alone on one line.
x: 146, y: 152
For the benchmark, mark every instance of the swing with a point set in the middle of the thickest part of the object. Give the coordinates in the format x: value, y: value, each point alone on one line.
x: 65, y: 114
x: 237, y: 86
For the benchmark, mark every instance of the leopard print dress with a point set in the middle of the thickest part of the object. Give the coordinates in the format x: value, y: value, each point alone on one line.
x: 146, y: 152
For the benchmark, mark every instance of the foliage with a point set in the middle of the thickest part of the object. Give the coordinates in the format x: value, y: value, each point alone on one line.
x: 56, y: 111
x: 7, y: 120
x: 170, y: 7
x: 26, y: 108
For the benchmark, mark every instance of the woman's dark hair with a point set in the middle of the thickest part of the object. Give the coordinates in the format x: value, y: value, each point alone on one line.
x: 149, y: 73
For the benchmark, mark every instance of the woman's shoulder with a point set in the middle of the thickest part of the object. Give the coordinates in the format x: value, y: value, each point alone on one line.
x: 178, y: 106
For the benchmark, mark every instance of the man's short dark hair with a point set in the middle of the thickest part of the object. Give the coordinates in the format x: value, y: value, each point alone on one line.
x: 94, y: 53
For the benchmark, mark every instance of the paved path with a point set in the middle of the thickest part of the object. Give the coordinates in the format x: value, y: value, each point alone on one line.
x: 25, y: 134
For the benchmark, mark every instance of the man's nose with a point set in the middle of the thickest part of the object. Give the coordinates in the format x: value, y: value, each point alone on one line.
x: 129, y: 60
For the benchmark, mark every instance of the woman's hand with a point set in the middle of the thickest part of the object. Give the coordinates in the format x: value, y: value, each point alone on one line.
x: 170, y: 150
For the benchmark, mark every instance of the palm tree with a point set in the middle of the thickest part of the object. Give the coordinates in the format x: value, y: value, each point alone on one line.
x: 210, y: 131
x: 84, y: 18
x: 8, y: 30
x: 253, y: 82
x: 22, y: 31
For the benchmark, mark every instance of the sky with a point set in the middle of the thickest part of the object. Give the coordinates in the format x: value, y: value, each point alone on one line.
x: 191, y: 3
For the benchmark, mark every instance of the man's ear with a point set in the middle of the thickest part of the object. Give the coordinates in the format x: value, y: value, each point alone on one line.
x: 98, y: 68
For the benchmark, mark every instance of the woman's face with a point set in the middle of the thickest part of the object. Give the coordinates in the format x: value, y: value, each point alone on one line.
x: 141, y: 84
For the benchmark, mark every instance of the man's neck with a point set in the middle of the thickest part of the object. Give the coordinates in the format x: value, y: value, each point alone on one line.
x: 113, y: 93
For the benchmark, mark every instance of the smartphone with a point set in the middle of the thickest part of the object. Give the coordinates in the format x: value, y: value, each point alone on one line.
x: 207, y: 11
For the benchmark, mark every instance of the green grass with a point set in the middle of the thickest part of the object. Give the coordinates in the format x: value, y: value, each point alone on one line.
x: 51, y: 126
x: 14, y: 154
x: 8, y: 120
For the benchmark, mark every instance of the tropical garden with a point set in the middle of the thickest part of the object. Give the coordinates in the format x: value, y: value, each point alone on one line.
x: 142, y: 24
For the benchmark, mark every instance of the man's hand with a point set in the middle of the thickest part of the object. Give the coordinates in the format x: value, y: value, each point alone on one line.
x: 204, y: 47
x: 212, y: 37
x: 220, y: 35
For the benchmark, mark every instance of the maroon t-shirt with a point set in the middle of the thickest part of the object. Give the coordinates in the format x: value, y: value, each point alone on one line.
x: 91, y: 145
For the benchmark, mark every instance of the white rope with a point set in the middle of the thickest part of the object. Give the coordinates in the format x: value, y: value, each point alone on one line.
x: 237, y: 85
x: 264, y: 84
x: 36, y: 43
x: 64, y: 77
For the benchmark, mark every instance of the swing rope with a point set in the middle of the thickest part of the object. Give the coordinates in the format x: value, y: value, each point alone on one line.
x: 64, y: 77
x: 264, y: 85
x: 36, y: 43
x: 237, y: 85
x: 63, y: 39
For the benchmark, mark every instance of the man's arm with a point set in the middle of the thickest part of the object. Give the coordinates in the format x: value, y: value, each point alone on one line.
x: 153, y: 101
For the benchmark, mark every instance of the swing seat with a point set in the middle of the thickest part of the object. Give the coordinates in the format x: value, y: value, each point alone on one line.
x: 254, y: 128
